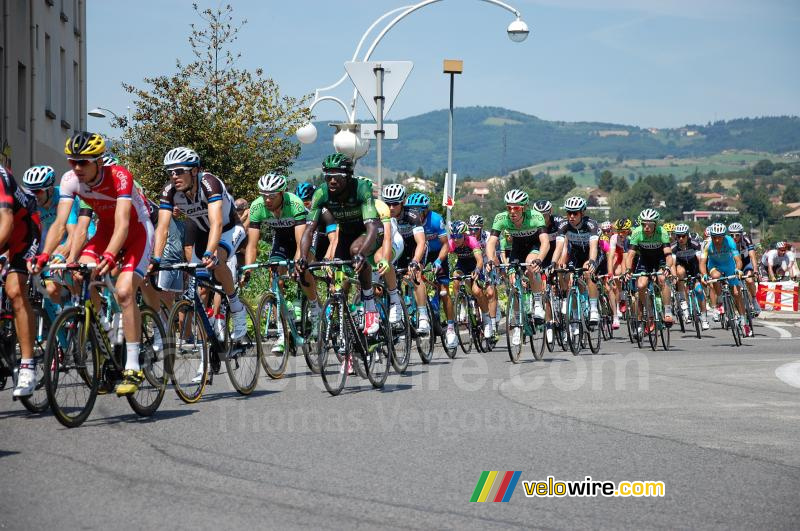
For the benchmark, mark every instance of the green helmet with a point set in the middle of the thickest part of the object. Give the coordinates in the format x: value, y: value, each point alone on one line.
x: 338, y: 161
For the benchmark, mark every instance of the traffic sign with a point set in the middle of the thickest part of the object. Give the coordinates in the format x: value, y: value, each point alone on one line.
x: 368, y: 131
x: 362, y: 73
x: 449, y: 192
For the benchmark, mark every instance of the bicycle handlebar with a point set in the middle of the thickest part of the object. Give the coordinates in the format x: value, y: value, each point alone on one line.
x: 83, y: 268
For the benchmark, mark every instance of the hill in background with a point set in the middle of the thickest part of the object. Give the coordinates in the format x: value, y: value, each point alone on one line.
x: 495, y: 141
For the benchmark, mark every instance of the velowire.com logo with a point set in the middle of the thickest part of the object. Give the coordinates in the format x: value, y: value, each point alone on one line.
x: 494, y: 486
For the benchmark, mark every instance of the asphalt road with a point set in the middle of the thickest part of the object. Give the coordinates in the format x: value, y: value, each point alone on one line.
x: 719, y: 425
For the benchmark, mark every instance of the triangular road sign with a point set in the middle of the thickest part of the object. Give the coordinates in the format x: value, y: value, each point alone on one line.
x: 395, y: 74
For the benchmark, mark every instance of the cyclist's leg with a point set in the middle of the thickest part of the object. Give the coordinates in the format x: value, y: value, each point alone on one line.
x: 593, y: 294
x: 666, y: 298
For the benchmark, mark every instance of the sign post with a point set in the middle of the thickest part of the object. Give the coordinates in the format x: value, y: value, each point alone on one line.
x: 451, y: 67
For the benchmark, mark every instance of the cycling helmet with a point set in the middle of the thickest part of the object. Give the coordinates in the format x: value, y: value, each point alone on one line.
x: 304, y: 191
x: 181, y: 156
x: 717, y: 229
x: 605, y: 226
x: 781, y: 246
x: 475, y: 220
x: 575, y: 204
x: 516, y: 197
x: 39, y: 177
x: 669, y: 227
x: 649, y: 214
x: 393, y: 193
x: 110, y: 160
x: 338, y: 161
x: 458, y: 228
x: 623, y: 224
x: 694, y: 235
x: 735, y: 227
x: 85, y: 143
x: 682, y: 228
x: 271, y: 183
x: 418, y: 200
x: 543, y: 206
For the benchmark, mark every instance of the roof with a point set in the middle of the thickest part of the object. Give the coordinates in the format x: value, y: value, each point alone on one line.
x: 793, y: 214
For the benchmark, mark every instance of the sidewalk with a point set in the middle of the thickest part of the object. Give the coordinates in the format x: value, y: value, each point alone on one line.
x: 780, y: 316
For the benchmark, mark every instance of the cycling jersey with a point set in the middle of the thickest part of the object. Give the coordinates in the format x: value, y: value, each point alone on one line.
x: 650, y: 249
x: 409, y: 223
x: 553, y: 232
x: 114, y: 183
x: 579, y: 239
x: 210, y: 189
x: 744, y: 246
x: 293, y: 213
x: 23, y: 241
x: 772, y: 258
x: 398, y: 244
x: 525, y: 237
x: 434, y: 229
x: 688, y: 257
x: 80, y: 208
x: 351, y: 210
x: 47, y: 215
x: 722, y: 258
x: 466, y: 253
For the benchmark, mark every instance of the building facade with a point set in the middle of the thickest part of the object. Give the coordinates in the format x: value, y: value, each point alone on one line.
x: 42, y: 80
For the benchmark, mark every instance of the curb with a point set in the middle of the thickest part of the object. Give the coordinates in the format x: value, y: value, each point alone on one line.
x: 779, y: 316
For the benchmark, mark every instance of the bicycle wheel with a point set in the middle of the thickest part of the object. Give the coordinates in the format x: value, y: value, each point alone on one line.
x: 187, y: 352
x: 244, y: 358
x: 514, y: 331
x: 333, y: 350
x: 664, y: 333
x: 677, y: 311
x: 306, y: 329
x: 748, y: 306
x: 37, y: 402
x: 379, y: 350
x: 594, y: 333
x: 606, y: 317
x: 72, y: 368
x: 274, y: 356
x: 694, y: 314
x: 426, y: 344
x: 151, y: 391
x: 733, y: 321
x: 463, y: 321
x: 574, y: 322
x: 651, y: 321
x: 401, y: 336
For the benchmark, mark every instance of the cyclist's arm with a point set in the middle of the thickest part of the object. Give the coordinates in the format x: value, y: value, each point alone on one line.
x: 629, y: 259
x: 593, y: 249
x: 544, y: 244
x: 251, y: 252
x: 162, y: 231
x: 78, y: 241
x: 491, y: 248
x: 703, y: 264
x: 6, y: 224
x: 56, y: 231
x: 445, y: 248
x: 299, y: 232
x: 371, y: 235
x: 738, y: 259
x: 386, y: 246
x: 214, y: 225
x: 419, y: 252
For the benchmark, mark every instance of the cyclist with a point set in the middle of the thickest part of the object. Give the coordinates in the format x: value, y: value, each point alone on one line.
x: 469, y: 261
x: 19, y: 238
x: 325, y: 237
x: 721, y: 258
x: 748, y: 253
x: 350, y: 202
x: 687, y: 254
x: 285, y: 214
x: 775, y: 262
x: 217, y: 230
x: 581, y: 235
x: 529, y: 243
x: 618, y: 246
x: 475, y: 226
x: 651, y: 243
x: 670, y: 228
x: 123, y: 240
x: 391, y: 247
x: 552, y: 226
x: 436, y: 237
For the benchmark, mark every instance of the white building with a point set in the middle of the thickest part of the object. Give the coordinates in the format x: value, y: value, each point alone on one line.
x: 42, y: 80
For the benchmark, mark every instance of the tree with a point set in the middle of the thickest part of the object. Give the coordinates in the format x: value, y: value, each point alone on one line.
x: 562, y: 185
x: 237, y: 121
x: 621, y: 184
x: 577, y: 167
x: 764, y: 167
x: 791, y: 194
x: 718, y: 188
x: 606, y: 181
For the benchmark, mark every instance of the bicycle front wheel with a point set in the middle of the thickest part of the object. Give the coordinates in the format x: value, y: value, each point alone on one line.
x: 274, y: 353
x: 574, y: 322
x: 463, y: 321
x: 187, y: 357
x: 401, y: 336
x: 72, y: 368
x: 151, y: 391
x: 333, y: 348
x: 379, y: 350
x: 244, y: 357
x: 514, y: 334
x: 733, y: 321
x: 650, y: 321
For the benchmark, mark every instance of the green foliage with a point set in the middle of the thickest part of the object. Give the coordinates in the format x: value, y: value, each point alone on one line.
x: 791, y: 194
x: 236, y: 120
x: 606, y: 181
x: 764, y: 167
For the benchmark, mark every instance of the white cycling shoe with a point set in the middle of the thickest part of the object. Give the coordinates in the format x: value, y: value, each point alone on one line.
x: 450, y: 338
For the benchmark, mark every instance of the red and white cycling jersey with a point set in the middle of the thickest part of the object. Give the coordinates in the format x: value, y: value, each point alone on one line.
x: 115, y: 183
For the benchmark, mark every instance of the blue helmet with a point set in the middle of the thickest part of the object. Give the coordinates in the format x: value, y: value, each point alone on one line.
x: 39, y: 178
x: 304, y: 191
x: 418, y: 200
x: 458, y: 228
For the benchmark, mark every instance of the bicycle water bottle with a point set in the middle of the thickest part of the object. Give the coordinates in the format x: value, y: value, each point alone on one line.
x: 659, y: 304
x: 117, y: 330
x: 360, y: 314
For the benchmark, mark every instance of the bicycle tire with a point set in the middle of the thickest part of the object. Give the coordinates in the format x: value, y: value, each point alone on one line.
x: 574, y: 319
x: 664, y: 333
x: 401, y: 336
x: 186, y: 351
x: 146, y: 400
x: 37, y: 402
x: 379, y: 357
x: 694, y: 310
x: 651, y: 320
x: 244, y: 356
x: 594, y: 334
x: 514, y: 321
x: 334, y: 351
x: 677, y: 310
x: 269, y: 320
x: 58, y: 360
x: 427, y: 343
x: 733, y: 322
x: 463, y: 321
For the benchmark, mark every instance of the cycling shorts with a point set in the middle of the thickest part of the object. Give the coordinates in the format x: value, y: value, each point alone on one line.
x: 650, y: 265
x: 521, y: 248
x: 230, y: 241
x: 136, y: 250
x: 727, y: 268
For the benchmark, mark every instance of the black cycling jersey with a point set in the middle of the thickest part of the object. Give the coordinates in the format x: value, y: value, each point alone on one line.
x: 744, y: 246
x: 688, y: 255
x: 580, y: 237
x: 210, y: 189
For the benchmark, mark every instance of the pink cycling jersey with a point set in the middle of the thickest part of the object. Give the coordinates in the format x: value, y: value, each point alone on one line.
x: 469, y: 243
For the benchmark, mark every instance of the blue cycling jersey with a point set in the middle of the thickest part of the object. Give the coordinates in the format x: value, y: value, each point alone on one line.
x: 723, y: 254
x: 434, y: 228
x: 47, y: 215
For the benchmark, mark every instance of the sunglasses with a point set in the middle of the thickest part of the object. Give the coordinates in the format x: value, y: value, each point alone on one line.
x: 572, y: 213
x: 271, y: 196
x: 176, y: 172
x: 398, y: 203
x: 515, y: 208
x: 77, y: 163
x: 682, y: 235
x: 335, y: 175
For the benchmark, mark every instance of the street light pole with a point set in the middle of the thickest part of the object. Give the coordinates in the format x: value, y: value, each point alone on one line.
x: 379, y: 129
x: 452, y: 67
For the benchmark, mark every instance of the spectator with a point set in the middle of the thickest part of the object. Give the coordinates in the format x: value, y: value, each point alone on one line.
x: 243, y: 211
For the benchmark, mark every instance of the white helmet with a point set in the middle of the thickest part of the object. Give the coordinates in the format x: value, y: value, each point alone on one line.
x: 681, y: 228
x: 649, y: 214
x: 271, y: 183
x: 717, y: 229
x: 181, y: 156
x: 606, y: 225
x: 516, y: 197
x: 575, y: 204
x: 735, y: 227
x: 39, y: 177
x: 475, y: 220
x: 393, y: 193
x: 543, y: 205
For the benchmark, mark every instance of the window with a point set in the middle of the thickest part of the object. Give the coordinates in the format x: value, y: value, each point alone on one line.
x: 76, y: 94
x: 76, y: 17
x: 22, y: 99
x: 63, y: 57
x: 64, y: 16
x: 48, y: 75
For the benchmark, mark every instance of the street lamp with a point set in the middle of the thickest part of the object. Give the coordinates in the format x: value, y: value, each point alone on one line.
x: 451, y: 67
x: 100, y: 112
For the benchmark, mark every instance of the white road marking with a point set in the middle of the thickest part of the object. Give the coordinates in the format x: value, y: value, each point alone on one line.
x: 781, y: 332
x: 789, y: 373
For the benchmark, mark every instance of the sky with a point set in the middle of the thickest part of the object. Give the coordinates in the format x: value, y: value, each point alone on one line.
x: 664, y: 63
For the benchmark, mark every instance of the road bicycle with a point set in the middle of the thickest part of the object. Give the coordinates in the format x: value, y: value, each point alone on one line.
x: 80, y: 356
x: 194, y: 352
x: 730, y: 314
x: 652, y: 322
x: 580, y: 331
x: 520, y: 325
x: 468, y: 317
x: 426, y: 342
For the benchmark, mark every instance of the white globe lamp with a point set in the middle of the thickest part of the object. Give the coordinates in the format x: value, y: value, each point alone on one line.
x: 307, y: 134
x: 518, y: 31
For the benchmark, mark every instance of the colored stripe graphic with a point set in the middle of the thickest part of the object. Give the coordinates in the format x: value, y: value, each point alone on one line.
x: 495, y: 486
x: 487, y: 486
x: 512, y: 485
x: 479, y: 487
